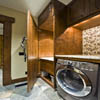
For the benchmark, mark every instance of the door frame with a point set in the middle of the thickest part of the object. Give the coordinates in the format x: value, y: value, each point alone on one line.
x: 7, y: 34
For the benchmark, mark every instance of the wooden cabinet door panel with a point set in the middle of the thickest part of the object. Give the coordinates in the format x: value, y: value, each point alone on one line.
x: 97, y: 4
x: 93, y: 6
x: 32, y: 52
x: 77, y: 10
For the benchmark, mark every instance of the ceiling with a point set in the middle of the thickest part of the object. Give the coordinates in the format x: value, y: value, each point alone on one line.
x: 35, y: 6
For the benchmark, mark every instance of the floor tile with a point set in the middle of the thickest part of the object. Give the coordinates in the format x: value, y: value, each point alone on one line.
x: 40, y: 91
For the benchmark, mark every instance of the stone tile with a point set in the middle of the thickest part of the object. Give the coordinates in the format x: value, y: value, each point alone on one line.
x: 17, y: 97
x: 51, y: 94
x: 2, y: 89
x: 10, y: 87
x: 40, y: 91
x: 22, y: 91
x: 5, y: 99
x: 5, y: 94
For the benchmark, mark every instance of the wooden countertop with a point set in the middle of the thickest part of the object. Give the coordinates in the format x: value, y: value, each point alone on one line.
x: 84, y: 58
x: 47, y: 58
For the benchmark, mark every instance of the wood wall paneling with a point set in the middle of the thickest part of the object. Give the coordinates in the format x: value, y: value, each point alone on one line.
x: 46, y: 49
x: 46, y: 44
x: 69, y: 43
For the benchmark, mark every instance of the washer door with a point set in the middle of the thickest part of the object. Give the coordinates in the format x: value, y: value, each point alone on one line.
x: 74, y: 82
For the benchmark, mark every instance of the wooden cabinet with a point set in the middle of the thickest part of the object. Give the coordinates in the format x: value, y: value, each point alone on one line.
x: 94, y: 6
x: 98, y: 4
x: 77, y: 10
x: 51, y: 24
x: 80, y: 10
x: 47, y: 66
x: 46, y: 18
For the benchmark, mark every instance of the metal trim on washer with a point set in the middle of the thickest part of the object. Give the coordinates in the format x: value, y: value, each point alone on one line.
x: 87, y: 84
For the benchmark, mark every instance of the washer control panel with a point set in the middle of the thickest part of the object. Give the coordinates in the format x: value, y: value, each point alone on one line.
x: 86, y: 66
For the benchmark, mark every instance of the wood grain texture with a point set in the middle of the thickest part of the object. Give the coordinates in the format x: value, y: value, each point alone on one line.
x: 48, y: 24
x: 46, y: 18
x: 19, y: 80
x: 7, y: 31
x: 70, y: 42
x: 46, y: 44
x: 59, y: 18
x: 80, y: 59
x: 89, y: 23
x: 32, y: 51
x: 1, y: 51
x: 6, y: 19
x: 47, y: 66
x: 7, y: 53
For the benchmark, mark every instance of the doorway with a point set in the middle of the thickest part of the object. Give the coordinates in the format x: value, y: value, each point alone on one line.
x: 1, y: 54
x: 7, y: 31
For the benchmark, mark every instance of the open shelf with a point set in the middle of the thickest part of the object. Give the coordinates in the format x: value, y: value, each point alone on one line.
x: 48, y: 81
x: 89, y: 23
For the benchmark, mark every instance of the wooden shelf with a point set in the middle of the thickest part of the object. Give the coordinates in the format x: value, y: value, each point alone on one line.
x: 91, y: 59
x: 47, y: 66
x: 48, y: 81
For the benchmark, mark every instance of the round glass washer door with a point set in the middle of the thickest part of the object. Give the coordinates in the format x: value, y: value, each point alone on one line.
x: 74, y: 82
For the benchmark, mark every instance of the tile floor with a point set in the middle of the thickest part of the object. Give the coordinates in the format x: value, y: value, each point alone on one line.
x: 41, y: 91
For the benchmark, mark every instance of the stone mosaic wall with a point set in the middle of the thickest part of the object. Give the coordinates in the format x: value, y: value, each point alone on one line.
x: 91, y: 41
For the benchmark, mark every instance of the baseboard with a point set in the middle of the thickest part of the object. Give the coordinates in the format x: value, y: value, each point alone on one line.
x: 19, y: 80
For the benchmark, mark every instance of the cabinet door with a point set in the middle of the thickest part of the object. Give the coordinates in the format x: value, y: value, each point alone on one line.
x: 92, y: 6
x: 98, y: 4
x: 32, y: 52
x: 76, y: 10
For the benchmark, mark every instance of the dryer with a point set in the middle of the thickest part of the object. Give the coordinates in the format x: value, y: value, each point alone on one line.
x: 77, y: 80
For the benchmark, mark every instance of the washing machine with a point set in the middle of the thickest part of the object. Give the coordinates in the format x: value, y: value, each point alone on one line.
x: 77, y: 80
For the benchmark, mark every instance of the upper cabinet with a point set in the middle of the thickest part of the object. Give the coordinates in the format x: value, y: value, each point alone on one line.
x: 94, y: 6
x: 98, y: 4
x: 79, y: 10
x: 76, y: 11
